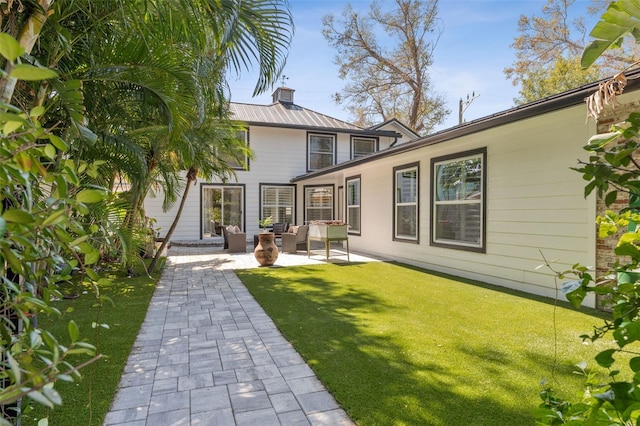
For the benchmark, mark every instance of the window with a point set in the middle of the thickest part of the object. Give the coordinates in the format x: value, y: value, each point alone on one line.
x: 406, y: 203
x: 277, y: 201
x: 362, y: 146
x: 353, y: 204
x: 237, y: 158
x: 318, y: 203
x: 321, y: 150
x: 458, y: 200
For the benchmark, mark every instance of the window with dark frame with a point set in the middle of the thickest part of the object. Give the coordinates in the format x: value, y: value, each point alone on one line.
x: 406, y: 202
x: 361, y: 147
x: 353, y: 204
x: 458, y: 200
x: 278, y: 202
x: 321, y: 149
x: 318, y: 203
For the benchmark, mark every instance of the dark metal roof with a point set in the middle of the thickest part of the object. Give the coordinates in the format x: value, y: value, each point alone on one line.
x: 542, y: 106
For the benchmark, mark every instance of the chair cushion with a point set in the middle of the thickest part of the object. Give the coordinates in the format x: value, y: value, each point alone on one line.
x: 280, y: 227
x: 233, y: 229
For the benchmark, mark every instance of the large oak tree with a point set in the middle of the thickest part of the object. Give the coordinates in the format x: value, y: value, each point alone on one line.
x: 385, y: 56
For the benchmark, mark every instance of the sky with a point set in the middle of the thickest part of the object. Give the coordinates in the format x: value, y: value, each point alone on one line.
x: 473, y: 50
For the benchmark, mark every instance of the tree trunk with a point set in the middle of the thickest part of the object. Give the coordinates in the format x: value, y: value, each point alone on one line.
x: 191, y: 178
x: 27, y: 39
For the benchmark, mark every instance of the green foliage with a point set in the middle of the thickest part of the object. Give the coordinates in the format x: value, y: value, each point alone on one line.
x: 611, y: 171
x: 553, y: 42
x: 145, y: 86
x: 266, y: 222
x: 622, y: 18
x: 125, y: 300
x: 44, y: 239
x: 547, y: 51
x: 564, y: 74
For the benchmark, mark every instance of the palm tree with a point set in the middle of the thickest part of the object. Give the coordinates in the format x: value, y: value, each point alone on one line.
x: 144, y: 74
x: 199, y: 153
x: 204, y: 154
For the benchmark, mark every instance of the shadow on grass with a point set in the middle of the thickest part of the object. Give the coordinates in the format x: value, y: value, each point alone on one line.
x: 380, y: 379
x: 122, y: 309
x: 504, y: 290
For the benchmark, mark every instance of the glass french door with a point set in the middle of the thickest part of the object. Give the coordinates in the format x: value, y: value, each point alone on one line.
x: 221, y: 206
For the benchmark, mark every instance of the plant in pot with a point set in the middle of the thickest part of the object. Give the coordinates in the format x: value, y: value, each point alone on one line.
x: 266, y: 251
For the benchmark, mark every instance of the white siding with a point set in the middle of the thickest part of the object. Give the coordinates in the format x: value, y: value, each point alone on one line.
x: 535, y: 204
x: 280, y: 154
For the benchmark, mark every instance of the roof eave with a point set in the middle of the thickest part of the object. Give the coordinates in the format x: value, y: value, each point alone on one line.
x: 388, y: 133
x: 543, y: 106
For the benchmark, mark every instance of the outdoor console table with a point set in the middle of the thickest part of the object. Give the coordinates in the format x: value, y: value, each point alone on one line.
x: 326, y: 233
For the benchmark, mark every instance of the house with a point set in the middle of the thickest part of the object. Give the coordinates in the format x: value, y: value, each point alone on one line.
x: 489, y: 199
x: 287, y: 140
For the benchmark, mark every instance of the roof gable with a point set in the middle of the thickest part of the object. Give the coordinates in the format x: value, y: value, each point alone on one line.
x: 398, y: 126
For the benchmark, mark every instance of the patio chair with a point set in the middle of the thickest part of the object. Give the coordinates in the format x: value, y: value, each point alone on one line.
x: 295, y: 239
x: 236, y: 242
x: 216, y: 229
x: 280, y: 228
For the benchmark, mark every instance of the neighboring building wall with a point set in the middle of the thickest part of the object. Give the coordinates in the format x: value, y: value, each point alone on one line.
x: 535, y: 204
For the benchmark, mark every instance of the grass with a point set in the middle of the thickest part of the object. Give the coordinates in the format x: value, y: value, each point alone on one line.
x: 398, y: 345
x: 86, y: 402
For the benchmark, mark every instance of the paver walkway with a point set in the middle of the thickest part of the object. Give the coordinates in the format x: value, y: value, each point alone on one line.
x: 207, y: 354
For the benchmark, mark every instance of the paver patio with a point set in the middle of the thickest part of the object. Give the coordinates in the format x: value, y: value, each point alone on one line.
x: 207, y: 354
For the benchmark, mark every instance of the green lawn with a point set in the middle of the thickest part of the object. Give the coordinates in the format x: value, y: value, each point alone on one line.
x: 86, y: 402
x: 397, y: 345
